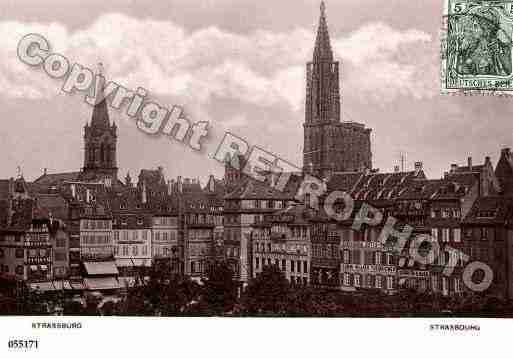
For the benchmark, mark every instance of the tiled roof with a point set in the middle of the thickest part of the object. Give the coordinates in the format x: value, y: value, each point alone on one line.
x: 56, y: 178
x: 253, y: 189
x: 490, y: 210
x: 299, y: 214
x: 4, y: 188
x: 344, y: 181
x: 385, y: 186
x: 101, y: 268
x: 422, y: 189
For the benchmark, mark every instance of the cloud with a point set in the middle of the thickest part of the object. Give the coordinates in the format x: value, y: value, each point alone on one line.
x: 262, y: 68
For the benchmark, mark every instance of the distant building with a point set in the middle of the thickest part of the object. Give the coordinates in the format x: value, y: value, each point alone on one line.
x: 283, y: 239
x: 329, y: 144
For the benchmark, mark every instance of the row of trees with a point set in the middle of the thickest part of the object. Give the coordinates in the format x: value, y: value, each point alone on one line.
x: 269, y: 294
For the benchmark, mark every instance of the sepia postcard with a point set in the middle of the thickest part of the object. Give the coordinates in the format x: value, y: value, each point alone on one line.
x: 213, y: 162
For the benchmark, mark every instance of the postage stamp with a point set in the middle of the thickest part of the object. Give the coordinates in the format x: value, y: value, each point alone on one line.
x: 476, y: 47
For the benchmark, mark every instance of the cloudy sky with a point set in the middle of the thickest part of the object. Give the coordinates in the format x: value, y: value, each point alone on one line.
x: 241, y: 66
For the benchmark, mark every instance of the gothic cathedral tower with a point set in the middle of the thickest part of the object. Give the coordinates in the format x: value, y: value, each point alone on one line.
x: 100, y: 138
x: 329, y: 144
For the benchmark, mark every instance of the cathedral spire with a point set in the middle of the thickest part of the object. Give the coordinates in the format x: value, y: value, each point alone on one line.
x: 100, y: 118
x: 322, y: 51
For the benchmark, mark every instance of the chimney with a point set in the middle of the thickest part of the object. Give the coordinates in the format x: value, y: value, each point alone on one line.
x: 469, y: 163
x: 487, y: 160
x: 44, y: 171
x: 211, y: 183
x: 179, y: 184
x: 143, y: 194
x: 11, y: 186
x: 396, y: 169
x: 454, y: 167
x: 418, y: 166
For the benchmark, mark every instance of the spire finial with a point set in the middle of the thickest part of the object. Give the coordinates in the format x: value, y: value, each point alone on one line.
x: 322, y: 51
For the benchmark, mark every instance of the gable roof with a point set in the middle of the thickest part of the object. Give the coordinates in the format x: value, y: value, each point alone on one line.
x: 56, y: 178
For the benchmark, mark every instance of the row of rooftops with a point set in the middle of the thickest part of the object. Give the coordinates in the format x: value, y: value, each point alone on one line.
x: 58, y: 194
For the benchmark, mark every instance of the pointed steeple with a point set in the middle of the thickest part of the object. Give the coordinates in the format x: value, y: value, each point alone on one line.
x: 322, y: 51
x: 100, y: 118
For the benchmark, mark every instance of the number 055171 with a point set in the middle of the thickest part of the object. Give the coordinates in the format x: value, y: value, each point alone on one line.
x: 23, y: 344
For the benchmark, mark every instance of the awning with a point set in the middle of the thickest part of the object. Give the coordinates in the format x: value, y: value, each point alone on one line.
x: 101, y: 283
x: 50, y: 286
x: 99, y: 268
x: 42, y: 286
x: 62, y: 284
x: 136, y: 262
x: 77, y: 285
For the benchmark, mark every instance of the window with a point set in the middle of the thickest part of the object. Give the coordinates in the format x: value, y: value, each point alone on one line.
x: 369, y: 281
x: 457, y: 235
x: 1, y: 253
x: 434, y: 284
x: 19, y: 270
x: 377, y: 258
x: 484, y: 234
x: 305, y: 267
x: 257, y: 263
x: 135, y: 251
x: 345, y: 256
x: 434, y: 233
x: 19, y: 253
x: 356, y: 280
x: 346, y: 279
x: 445, y: 234
x: 292, y: 266
x: 390, y: 282
x: 283, y: 265
x: 60, y: 242
x: 457, y: 285
x: 378, y: 282
x: 368, y: 257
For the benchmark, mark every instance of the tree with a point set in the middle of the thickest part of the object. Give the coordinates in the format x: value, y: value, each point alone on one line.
x: 267, y: 294
x: 162, y: 293
x: 219, y: 292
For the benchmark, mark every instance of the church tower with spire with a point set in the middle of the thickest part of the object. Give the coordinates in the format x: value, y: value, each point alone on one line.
x: 100, y: 139
x: 330, y: 145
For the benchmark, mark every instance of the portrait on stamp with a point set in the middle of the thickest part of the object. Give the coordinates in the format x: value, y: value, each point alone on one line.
x: 478, y: 49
